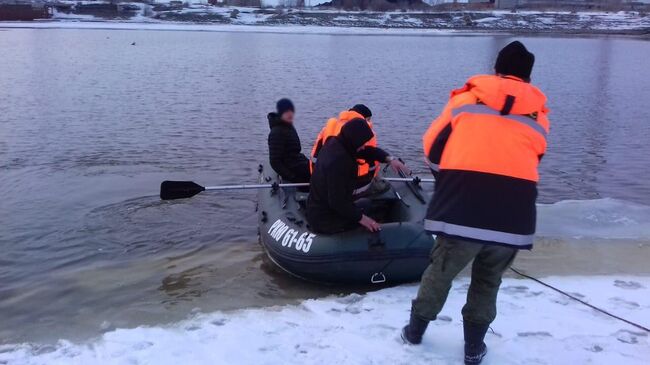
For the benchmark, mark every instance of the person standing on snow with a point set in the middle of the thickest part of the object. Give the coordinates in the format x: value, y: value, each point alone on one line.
x: 285, y: 153
x: 484, y: 150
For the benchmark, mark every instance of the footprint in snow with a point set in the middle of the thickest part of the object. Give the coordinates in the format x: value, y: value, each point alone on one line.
x: 142, y: 345
x: 521, y: 290
x: 444, y: 318
x: 219, y: 322
x: 268, y: 348
x: 594, y: 348
x: 624, y: 303
x: 534, y: 334
x: 380, y: 327
x: 629, y: 337
x: 304, y: 348
x: 515, y: 289
x: 627, y: 284
x: 577, y: 295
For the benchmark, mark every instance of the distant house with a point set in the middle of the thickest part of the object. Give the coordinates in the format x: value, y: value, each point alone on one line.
x: 176, y: 4
x: 244, y: 3
x: 23, y: 10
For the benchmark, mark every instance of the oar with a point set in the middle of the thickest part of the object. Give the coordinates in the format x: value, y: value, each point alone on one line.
x: 170, y: 190
x: 414, y: 179
x: 186, y: 189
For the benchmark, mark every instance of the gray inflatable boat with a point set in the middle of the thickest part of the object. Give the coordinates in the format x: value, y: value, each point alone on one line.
x: 398, y: 253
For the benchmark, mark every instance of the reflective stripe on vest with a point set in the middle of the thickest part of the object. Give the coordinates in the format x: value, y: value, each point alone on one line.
x: 479, y: 233
x: 484, y: 109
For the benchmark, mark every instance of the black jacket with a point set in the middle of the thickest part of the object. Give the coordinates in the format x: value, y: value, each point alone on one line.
x: 285, y: 151
x: 331, y: 207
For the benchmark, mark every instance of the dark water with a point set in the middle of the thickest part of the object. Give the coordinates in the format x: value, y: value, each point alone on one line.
x: 90, y: 125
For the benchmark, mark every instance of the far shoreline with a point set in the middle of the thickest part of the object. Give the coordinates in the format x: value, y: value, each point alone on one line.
x: 315, y: 29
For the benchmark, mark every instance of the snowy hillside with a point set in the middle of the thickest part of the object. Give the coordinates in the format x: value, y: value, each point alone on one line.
x: 523, y: 21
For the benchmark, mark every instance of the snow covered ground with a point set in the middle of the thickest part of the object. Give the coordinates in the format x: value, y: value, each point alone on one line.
x: 169, y: 26
x: 535, y: 326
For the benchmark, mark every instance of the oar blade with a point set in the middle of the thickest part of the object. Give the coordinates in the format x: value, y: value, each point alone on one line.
x: 170, y: 190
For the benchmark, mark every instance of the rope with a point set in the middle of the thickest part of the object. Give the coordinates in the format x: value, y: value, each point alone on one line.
x: 646, y: 329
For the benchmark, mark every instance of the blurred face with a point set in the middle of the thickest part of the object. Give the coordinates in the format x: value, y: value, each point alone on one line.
x: 369, y: 119
x: 287, y: 116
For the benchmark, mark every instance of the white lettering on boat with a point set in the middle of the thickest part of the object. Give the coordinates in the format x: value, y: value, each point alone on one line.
x: 291, y: 238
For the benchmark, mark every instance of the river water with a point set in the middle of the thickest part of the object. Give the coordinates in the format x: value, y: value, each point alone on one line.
x: 91, y: 121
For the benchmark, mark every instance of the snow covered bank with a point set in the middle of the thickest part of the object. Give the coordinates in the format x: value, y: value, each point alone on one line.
x: 282, y: 29
x: 207, y: 17
x: 534, y: 326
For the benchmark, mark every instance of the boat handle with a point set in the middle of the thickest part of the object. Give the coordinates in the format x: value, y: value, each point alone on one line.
x: 378, y: 278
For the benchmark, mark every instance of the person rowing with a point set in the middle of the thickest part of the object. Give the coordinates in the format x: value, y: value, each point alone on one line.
x: 368, y: 159
x: 331, y: 206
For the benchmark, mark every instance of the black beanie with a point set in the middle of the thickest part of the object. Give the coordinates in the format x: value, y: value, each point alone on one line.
x: 515, y: 60
x: 355, y: 134
x: 363, y: 110
x: 284, y: 105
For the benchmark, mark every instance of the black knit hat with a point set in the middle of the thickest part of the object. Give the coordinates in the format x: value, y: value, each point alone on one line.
x: 515, y: 60
x: 355, y: 134
x: 284, y: 105
x: 363, y: 110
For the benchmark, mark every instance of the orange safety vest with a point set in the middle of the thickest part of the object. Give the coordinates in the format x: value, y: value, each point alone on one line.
x: 331, y: 129
x: 485, y: 149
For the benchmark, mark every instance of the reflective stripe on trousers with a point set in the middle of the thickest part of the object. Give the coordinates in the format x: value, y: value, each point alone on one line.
x: 484, y: 109
x: 479, y: 233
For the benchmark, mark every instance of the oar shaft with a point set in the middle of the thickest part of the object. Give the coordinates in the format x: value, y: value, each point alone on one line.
x: 299, y: 185
x: 255, y: 186
x: 408, y: 179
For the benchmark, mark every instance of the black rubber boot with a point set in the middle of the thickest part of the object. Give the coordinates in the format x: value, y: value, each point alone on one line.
x: 475, y: 348
x: 413, y: 332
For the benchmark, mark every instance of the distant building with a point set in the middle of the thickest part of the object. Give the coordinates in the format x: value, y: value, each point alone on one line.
x: 24, y: 10
x: 578, y: 4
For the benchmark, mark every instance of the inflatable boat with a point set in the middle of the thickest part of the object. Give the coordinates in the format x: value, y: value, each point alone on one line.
x: 398, y: 253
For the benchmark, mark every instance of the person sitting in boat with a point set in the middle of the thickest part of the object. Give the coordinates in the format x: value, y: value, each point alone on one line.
x: 285, y: 153
x: 331, y: 207
x: 368, y: 159
x: 485, y: 149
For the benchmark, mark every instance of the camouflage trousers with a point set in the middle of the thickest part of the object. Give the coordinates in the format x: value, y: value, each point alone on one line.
x: 448, y: 258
